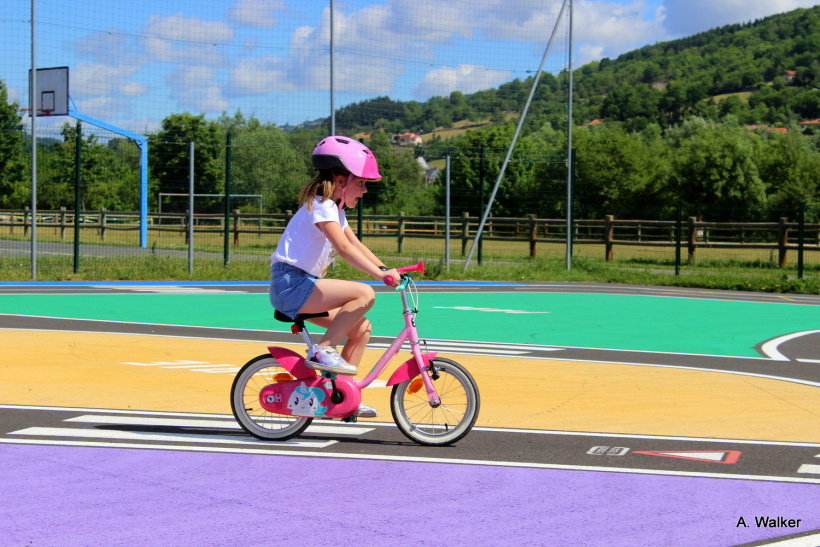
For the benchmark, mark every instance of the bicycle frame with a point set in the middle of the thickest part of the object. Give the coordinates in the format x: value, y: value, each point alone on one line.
x: 294, y: 363
x: 410, y: 368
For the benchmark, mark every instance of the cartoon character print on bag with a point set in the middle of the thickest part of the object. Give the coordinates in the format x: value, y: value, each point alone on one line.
x: 305, y: 401
x: 331, y: 258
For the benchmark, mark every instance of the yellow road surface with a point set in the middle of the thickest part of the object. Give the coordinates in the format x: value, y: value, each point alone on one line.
x: 137, y: 372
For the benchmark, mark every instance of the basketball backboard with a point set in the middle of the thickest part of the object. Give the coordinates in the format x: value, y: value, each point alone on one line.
x: 51, y: 98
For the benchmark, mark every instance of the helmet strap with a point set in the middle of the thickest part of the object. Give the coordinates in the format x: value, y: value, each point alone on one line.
x: 344, y: 191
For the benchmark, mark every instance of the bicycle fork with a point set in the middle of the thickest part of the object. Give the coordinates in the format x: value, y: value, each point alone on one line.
x: 415, y: 348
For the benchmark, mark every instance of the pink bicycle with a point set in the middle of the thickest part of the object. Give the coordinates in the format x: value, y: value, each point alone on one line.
x: 434, y: 401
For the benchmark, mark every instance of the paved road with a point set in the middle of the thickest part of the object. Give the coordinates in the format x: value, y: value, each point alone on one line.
x: 575, y: 445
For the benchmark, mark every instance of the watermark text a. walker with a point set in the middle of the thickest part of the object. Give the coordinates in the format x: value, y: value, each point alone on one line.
x: 769, y: 522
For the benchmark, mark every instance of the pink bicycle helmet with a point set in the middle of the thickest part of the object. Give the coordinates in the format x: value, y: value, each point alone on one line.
x: 347, y: 153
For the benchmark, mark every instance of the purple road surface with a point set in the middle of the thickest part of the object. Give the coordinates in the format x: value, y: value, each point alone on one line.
x: 67, y: 496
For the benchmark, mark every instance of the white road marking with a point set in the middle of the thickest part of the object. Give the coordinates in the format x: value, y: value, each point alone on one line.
x: 771, y: 348
x: 160, y: 437
x: 250, y: 448
x: 340, y: 429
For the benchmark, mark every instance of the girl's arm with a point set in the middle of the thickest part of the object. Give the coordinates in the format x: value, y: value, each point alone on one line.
x: 351, y: 236
x: 354, y: 251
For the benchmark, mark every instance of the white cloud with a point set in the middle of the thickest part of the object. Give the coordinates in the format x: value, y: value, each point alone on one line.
x: 607, y: 29
x: 13, y: 95
x: 142, y: 126
x: 687, y: 17
x: 256, y: 13
x: 206, y: 99
x: 102, y: 107
x: 186, y: 39
x: 95, y: 79
x: 260, y: 75
x: 429, y: 21
x: 112, y: 44
x: 196, y: 89
x: 133, y: 89
x: 465, y: 78
x: 362, y: 62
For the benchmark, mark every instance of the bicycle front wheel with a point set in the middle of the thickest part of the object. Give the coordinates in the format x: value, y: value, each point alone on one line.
x: 248, y: 411
x: 443, y: 424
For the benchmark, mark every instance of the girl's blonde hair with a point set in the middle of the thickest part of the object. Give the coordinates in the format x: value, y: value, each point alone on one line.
x: 322, y: 184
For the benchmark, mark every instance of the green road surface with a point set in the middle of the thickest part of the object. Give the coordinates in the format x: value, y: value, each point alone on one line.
x: 628, y: 322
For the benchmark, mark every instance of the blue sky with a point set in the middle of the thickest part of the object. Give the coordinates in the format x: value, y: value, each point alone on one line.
x: 134, y: 63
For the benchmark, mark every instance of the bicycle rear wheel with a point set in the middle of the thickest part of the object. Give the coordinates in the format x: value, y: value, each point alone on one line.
x: 443, y: 424
x: 252, y: 417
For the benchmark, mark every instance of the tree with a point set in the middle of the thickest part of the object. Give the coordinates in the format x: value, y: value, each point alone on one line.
x: 401, y: 178
x: 169, y: 156
x: 479, y: 156
x: 628, y: 103
x: 263, y: 161
x: 714, y: 165
x: 13, y: 189
x: 619, y: 173
x: 790, y: 166
x: 108, y: 180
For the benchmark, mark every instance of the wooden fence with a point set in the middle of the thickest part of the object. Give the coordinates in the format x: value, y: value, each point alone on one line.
x: 609, y: 232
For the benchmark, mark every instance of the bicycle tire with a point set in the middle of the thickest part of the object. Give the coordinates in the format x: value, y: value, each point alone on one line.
x: 249, y: 413
x: 446, y: 423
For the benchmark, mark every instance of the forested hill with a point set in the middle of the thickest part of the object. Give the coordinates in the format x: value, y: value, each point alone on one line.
x: 769, y: 69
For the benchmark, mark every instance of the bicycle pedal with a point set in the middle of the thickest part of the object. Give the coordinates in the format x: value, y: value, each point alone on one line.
x: 350, y: 420
x: 329, y: 375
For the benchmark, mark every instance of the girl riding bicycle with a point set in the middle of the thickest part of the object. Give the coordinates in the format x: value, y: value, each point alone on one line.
x: 315, y: 235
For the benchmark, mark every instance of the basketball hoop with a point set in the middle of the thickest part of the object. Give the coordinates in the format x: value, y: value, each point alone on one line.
x: 40, y: 111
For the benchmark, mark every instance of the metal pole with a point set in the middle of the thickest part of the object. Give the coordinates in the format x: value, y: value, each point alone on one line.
x: 190, y: 208
x: 481, y: 175
x: 447, y: 215
x: 332, y: 93
x: 33, y: 112
x: 514, y: 139
x: 570, y: 154
x: 78, y: 179
x: 801, y: 240
x: 678, y: 232
x: 143, y: 146
x: 227, y: 241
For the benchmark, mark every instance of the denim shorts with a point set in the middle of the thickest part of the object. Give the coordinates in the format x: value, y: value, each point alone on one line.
x: 290, y: 288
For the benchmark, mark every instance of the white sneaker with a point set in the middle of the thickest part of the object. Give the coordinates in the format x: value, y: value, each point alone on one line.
x: 327, y: 359
x: 365, y: 411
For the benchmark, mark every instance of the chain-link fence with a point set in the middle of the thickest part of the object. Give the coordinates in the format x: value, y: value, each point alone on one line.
x: 245, y: 192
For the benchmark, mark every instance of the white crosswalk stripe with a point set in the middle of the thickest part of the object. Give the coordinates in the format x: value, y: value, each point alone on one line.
x: 196, y: 431
x: 477, y: 348
x: 167, y: 289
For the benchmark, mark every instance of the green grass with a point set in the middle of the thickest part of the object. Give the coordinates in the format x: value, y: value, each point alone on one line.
x: 715, y: 268
x: 541, y: 270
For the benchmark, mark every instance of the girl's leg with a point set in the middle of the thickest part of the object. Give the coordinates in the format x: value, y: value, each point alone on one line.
x: 348, y: 301
x: 357, y: 338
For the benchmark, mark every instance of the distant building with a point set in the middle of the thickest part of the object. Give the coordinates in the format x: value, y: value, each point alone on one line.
x: 430, y: 173
x: 789, y: 76
x: 768, y: 128
x: 405, y: 139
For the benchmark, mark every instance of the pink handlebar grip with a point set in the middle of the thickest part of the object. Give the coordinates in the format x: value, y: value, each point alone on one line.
x: 414, y: 268
x: 388, y: 280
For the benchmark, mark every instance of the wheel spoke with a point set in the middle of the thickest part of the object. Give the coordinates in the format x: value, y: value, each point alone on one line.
x: 249, y: 412
x: 451, y: 419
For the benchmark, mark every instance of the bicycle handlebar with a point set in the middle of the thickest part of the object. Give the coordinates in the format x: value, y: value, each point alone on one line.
x: 414, y: 268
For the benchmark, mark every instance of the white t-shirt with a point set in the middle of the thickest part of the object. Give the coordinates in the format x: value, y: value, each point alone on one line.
x: 303, y: 244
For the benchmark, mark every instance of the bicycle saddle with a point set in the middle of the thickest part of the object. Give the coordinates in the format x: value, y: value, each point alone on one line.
x: 300, y: 318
